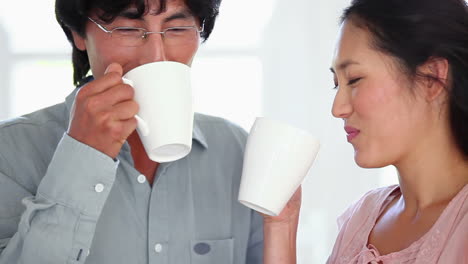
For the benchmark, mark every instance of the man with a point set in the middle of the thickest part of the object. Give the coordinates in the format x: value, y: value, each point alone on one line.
x: 90, y: 193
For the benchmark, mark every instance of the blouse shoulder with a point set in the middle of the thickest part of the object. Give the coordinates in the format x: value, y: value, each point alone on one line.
x: 369, y: 202
x: 355, y: 220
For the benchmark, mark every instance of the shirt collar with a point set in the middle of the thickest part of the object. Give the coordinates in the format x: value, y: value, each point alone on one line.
x: 197, y: 133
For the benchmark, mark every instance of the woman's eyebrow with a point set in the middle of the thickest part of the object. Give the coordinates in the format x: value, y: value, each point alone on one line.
x: 344, y: 65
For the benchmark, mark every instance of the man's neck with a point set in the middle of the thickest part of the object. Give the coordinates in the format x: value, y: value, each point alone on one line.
x: 141, y: 160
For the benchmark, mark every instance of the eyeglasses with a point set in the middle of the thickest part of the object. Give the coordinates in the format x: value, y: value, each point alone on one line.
x: 133, y: 37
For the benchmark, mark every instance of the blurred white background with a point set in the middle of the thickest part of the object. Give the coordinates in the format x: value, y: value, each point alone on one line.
x: 265, y: 58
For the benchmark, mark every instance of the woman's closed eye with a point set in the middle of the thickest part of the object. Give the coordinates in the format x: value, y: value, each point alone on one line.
x: 354, y: 81
x: 350, y: 82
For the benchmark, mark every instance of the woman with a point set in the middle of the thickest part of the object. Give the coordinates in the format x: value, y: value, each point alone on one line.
x: 401, y: 73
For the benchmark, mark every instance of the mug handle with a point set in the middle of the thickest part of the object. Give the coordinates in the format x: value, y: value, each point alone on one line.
x: 142, y: 125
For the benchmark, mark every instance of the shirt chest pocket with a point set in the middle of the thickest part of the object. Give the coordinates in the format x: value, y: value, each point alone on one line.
x: 212, y: 251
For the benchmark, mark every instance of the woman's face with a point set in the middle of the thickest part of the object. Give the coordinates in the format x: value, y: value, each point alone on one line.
x: 384, y: 117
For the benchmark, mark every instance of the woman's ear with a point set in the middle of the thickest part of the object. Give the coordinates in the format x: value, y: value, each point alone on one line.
x: 79, y: 41
x: 435, y: 73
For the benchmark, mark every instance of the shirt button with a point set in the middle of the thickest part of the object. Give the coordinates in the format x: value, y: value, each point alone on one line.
x: 158, y: 248
x: 99, y: 187
x: 141, y: 178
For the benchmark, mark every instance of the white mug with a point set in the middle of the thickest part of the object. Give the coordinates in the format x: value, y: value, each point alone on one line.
x: 165, y: 120
x: 276, y: 160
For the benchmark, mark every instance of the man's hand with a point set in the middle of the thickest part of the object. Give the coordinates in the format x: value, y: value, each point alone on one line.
x: 103, y: 114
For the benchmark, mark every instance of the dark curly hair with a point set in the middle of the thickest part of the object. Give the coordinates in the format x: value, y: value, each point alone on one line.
x: 413, y: 32
x: 72, y: 15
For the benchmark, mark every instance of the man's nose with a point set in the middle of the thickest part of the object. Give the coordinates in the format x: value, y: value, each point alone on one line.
x: 153, y: 49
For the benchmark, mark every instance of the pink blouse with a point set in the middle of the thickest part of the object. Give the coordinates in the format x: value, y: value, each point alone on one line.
x: 445, y: 243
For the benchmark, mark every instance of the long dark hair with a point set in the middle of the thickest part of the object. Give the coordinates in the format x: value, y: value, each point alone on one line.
x: 413, y: 32
x: 72, y: 15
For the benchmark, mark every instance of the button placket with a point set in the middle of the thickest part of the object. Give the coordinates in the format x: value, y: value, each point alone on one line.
x: 158, y: 225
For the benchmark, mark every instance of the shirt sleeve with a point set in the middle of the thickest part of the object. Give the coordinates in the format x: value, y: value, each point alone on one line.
x: 58, y: 223
x: 255, y: 246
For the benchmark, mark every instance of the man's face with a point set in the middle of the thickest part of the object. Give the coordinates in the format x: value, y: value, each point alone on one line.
x: 103, y: 49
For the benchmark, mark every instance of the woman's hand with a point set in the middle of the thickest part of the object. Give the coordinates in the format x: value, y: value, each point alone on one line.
x: 280, y: 233
x: 290, y: 212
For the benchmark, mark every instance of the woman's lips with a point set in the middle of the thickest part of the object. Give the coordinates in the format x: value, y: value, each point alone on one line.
x: 351, y: 132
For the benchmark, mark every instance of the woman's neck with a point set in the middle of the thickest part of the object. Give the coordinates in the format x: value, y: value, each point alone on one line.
x: 432, y: 176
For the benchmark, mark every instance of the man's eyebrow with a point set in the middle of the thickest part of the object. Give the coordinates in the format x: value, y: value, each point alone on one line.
x: 344, y: 65
x: 183, y: 14
x: 131, y: 14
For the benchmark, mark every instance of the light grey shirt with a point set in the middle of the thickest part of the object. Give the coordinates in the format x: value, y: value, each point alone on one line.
x: 64, y: 202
